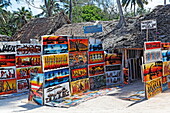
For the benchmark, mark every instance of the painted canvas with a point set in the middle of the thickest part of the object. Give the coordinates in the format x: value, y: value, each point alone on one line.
x: 96, y: 69
x: 166, y: 55
x: 97, y: 81
x: 8, y: 86
x: 152, y: 45
x: 56, y: 77
x: 51, y: 39
x: 113, y: 67
x: 153, y: 55
x: 7, y: 60
x: 113, y: 58
x: 23, y: 85
x: 55, y: 49
x: 153, y: 87
x: 7, y: 73
x: 27, y: 61
x: 8, y: 47
x: 78, y: 45
x: 96, y: 57
x: 113, y: 77
x: 56, y: 92
x: 51, y: 62
x: 166, y: 68
x: 164, y: 83
x: 78, y: 58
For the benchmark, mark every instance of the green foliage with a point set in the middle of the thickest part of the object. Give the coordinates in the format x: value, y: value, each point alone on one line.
x: 88, y: 13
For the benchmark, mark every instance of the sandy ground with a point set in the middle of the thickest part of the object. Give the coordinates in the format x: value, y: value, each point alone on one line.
x: 104, y: 104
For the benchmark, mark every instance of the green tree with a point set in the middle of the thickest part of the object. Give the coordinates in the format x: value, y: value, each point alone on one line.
x: 133, y: 3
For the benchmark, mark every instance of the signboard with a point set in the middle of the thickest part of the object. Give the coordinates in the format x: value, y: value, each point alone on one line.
x: 148, y: 24
x: 153, y: 87
x: 152, y: 70
x: 93, y: 29
x: 56, y: 92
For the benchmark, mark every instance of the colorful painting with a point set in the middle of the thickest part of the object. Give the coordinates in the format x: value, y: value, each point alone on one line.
x: 7, y: 60
x: 113, y: 77
x: 8, y: 47
x: 78, y: 45
x: 113, y: 58
x: 28, y: 49
x: 51, y: 62
x: 166, y: 55
x: 153, y: 56
x: 166, y: 68
x: 165, y: 45
x: 25, y: 72
x: 95, y: 47
x: 56, y: 77
x: 26, y: 61
x: 23, y: 85
x: 96, y: 57
x: 78, y: 58
x: 113, y: 67
x: 164, y: 83
x: 126, y: 75
x: 79, y: 73
x: 55, y: 49
x: 7, y: 73
x: 153, y: 87
x: 97, y: 82
x: 49, y: 39
x: 79, y: 86
x: 152, y: 70
x: 8, y: 86
x: 56, y: 92
x: 152, y: 45
x: 168, y: 81
x: 96, y: 69
x: 36, y: 89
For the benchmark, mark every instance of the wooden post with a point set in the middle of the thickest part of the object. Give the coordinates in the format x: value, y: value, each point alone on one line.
x: 147, y: 34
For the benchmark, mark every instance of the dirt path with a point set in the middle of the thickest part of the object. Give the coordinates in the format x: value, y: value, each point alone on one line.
x: 104, y: 104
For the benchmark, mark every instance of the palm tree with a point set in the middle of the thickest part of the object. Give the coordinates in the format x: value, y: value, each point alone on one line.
x: 140, y: 3
x: 22, y: 16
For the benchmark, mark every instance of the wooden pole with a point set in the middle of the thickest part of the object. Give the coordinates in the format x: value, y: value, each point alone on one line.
x: 147, y: 34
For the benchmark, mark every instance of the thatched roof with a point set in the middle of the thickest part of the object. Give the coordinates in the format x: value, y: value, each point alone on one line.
x: 40, y: 26
x: 129, y: 36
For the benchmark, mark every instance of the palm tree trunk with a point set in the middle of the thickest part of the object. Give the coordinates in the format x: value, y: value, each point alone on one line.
x: 134, y: 10
x: 122, y: 18
x: 164, y: 2
x: 70, y: 11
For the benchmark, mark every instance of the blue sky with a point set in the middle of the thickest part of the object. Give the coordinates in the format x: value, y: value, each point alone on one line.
x: 37, y: 3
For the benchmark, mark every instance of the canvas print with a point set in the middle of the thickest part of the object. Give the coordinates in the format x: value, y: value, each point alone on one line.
x: 164, y: 83
x: 113, y: 77
x: 27, y: 61
x: 165, y: 45
x: 56, y: 77
x: 79, y: 86
x: 153, y: 87
x: 78, y: 45
x: 78, y: 58
x: 152, y: 56
x: 166, y: 55
x: 7, y: 73
x: 7, y: 60
x: 97, y: 81
x: 8, y: 47
x: 113, y: 67
x: 166, y: 68
x: 51, y: 62
x: 28, y: 49
x: 96, y: 69
x: 36, y: 89
x: 113, y: 58
x: 51, y: 39
x: 56, y: 92
x: 23, y: 85
x: 96, y: 57
x: 25, y: 72
x: 8, y: 86
x: 152, y: 70
x: 55, y: 49
x: 152, y: 45
x: 79, y: 73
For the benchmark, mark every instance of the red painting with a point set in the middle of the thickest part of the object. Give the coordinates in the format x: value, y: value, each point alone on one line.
x: 54, y: 39
x: 7, y: 60
x: 113, y: 58
x: 96, y: 57
x: 78, y: 45
x: 96, y: 69
x: 152, y: 45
